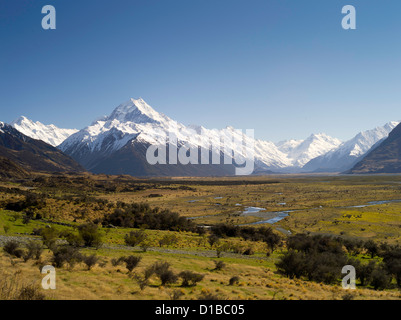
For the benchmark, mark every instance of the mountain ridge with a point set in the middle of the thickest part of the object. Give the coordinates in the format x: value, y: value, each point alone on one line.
x: 383, y: 158
x: 31, y: 154
x: 350, y: 151
x: 134, y: 122
x: 50, y: 134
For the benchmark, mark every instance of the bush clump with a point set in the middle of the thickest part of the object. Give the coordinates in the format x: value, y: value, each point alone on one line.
x: 65, y: 254
x: 135, y: 238
x: 233, y: 280
x: 137, y: 215
x: 90, y: 235
x: 34, y: 250
x: 90, y: 260
x: 131, y: 262
x: 190, y: 279
x: 12, y: 247
x: 219, y: 265
x: 318, y: 258
x: 163, y: 272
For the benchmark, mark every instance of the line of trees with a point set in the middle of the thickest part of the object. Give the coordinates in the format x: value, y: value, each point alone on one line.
x: 139, y: 215
x: 321, y: 259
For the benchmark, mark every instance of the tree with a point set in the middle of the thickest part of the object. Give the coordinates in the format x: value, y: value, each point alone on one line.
x: 392, y: 261
x: 371, y: 247
x: 272, y: 240
x: 292, y: 264
x: 49, y: 236
x: 90, y: 234
x: 364, y: 272
x: 380, y: 279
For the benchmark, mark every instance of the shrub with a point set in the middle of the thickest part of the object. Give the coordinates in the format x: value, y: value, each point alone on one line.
x: 66, y: 254
x: 135, y: 238
x: 209, y: 296
x: 248, y: 252
x: 319, y: 258
x: 31, y: 200
x: 35, y: 250
x: 143, y: 282
x: 15, y: 216
x: 136, y: 215
x: 364, y: 272
x: 117, y: 262
x: 315, y: 244
x: 149, y: 271
x: 26, y: 219
x: 74, y: 240
x: 190, y: 278
x: 162, y: 270
x: 145, y: 246
x: 168, y: 240
x: 168, y: 277
x: 213, y: 239
x: 6, y: 228
x: 49, y: 236
x: 175, y: 294
x: 353, y: 246
x: 160, y: 267
x: 13, y: 249
x: 131, y: 262
x: 265, y: 234
x: 12, y: 287
x: 392, y: 262
x: 380, y: 279
x: 90, y: 260
x: 371, y: 247
x: 292, y: 264
x: 325, y: 267
x: 90, y: 234
x: 30, y: 292
x: 348, y: 296
x: 219, y: 265
x: 233, y: 280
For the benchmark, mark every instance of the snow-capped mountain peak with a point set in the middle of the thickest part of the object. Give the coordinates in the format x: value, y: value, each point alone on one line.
x: 137, y: 111
x: 135, y: 121
x: 301, y: 151
x: 123, y: 136
x: 346, y: 154
x: 36, y: 130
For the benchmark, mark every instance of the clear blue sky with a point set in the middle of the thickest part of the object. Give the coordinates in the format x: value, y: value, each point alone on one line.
x: 285, y: 68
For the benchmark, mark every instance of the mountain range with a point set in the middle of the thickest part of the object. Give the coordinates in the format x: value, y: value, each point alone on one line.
x: 117, y: 144
x: 350, y: 152
x: 384, y: 157
x: 22, y: 154
x: 47, y: 133
x: 111, y: 144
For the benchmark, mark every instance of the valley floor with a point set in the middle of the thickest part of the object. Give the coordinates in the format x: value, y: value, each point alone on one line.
x: 361, y: 207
